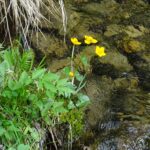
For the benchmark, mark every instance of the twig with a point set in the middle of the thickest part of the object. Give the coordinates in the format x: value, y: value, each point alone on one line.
x: 53, y: 138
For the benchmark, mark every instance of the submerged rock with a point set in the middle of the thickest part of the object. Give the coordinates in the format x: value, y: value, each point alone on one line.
x: 132, y: 46
x: 48, y: 45
x: 131, y: 31
x: 141, y: 64
x: 99, y: 90
x: 113, y: 65
x: 113, y: 29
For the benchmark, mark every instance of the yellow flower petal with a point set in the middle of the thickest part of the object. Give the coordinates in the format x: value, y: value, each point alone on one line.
x: 86, y: 36
x: 71, y: 74
x: 94, y: 41
x: 90, y: 40
x: 100, y: 51
x: 87, y: 42
x: 75, y: 41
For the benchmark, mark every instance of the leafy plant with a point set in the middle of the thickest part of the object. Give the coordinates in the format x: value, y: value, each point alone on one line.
x: 34, y: 99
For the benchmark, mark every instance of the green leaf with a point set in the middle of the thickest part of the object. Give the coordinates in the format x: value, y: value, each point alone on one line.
x: 50, y: 87
x: 35, y: 135
x: 84, y: 60
x: 65, y: 91
x: 66, y: 70
x: 50, y: 94
x: 83, y: 100
x: 38, y: 73
x: 40, y: 105
x: 27, y: 129
x: 14, y: 93
x: 9, y: 136
x: 14, y: 85
x: 7, y: 93
x: 13, y: 128
x: 62, y: 82
x: 11, y: 148
x: 78, y: 76
x: 58, y: 107
x: 65, y: 88
x: 23, y: 147
x: 2, y: 131
x: 26, y: 61
x: 3, y: 68
x: 25, y: 78
x: 71, y: 105
x: 50, y: 77
x: 45, y: 110
x: 33, y: 97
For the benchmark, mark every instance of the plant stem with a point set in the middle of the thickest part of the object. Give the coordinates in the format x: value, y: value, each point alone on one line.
x: 72, y: 58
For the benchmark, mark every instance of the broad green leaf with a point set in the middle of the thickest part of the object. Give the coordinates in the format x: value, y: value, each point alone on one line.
x: 25, y: 78
x: 11, y: 148
x: 3, y: 68
x: 7, y: 93
x: 14, y: 85
x: 9, y: 135
x: 65, y: 91
x: 71, y: 105
x: 62, y: 82
x: 78, y: 76
x: 58, y: 107
x: 66, y: 70
x: 23, y: 147
x: 2, y: 131
x: 38, y: 73
x: 50, y: 77
x: 49, y: 86
x: 45, y: 110
x: 50, y: 95
x: 14, y: 93
x: 33, y: 97
x: 13, y: 128
x: 40, y: 105
x: 83, y: 100
x: 84, y: 60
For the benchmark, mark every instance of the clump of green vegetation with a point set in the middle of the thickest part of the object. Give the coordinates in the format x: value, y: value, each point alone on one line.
x: 34, y: 101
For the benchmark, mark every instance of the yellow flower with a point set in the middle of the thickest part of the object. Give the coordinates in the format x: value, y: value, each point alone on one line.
x: 75, y: 41
x: 100, y: 51
x: 71, y: 74
x: 89, y: 40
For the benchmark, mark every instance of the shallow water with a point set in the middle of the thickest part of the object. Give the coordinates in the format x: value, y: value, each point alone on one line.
x: 118, y: 85
x: 127, y: 125
x: 119, y: 115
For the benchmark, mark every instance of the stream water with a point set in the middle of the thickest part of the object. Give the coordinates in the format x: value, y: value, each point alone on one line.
x: 120, y: 122
x: 118, y: 117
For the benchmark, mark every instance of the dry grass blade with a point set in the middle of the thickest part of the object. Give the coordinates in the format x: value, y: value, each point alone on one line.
x: 19, y: 15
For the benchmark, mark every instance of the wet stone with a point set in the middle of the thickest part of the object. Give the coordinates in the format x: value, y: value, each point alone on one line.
x: 111, y: 66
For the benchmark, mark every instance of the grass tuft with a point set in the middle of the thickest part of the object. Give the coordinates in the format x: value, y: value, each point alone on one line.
x: 19, y: 15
